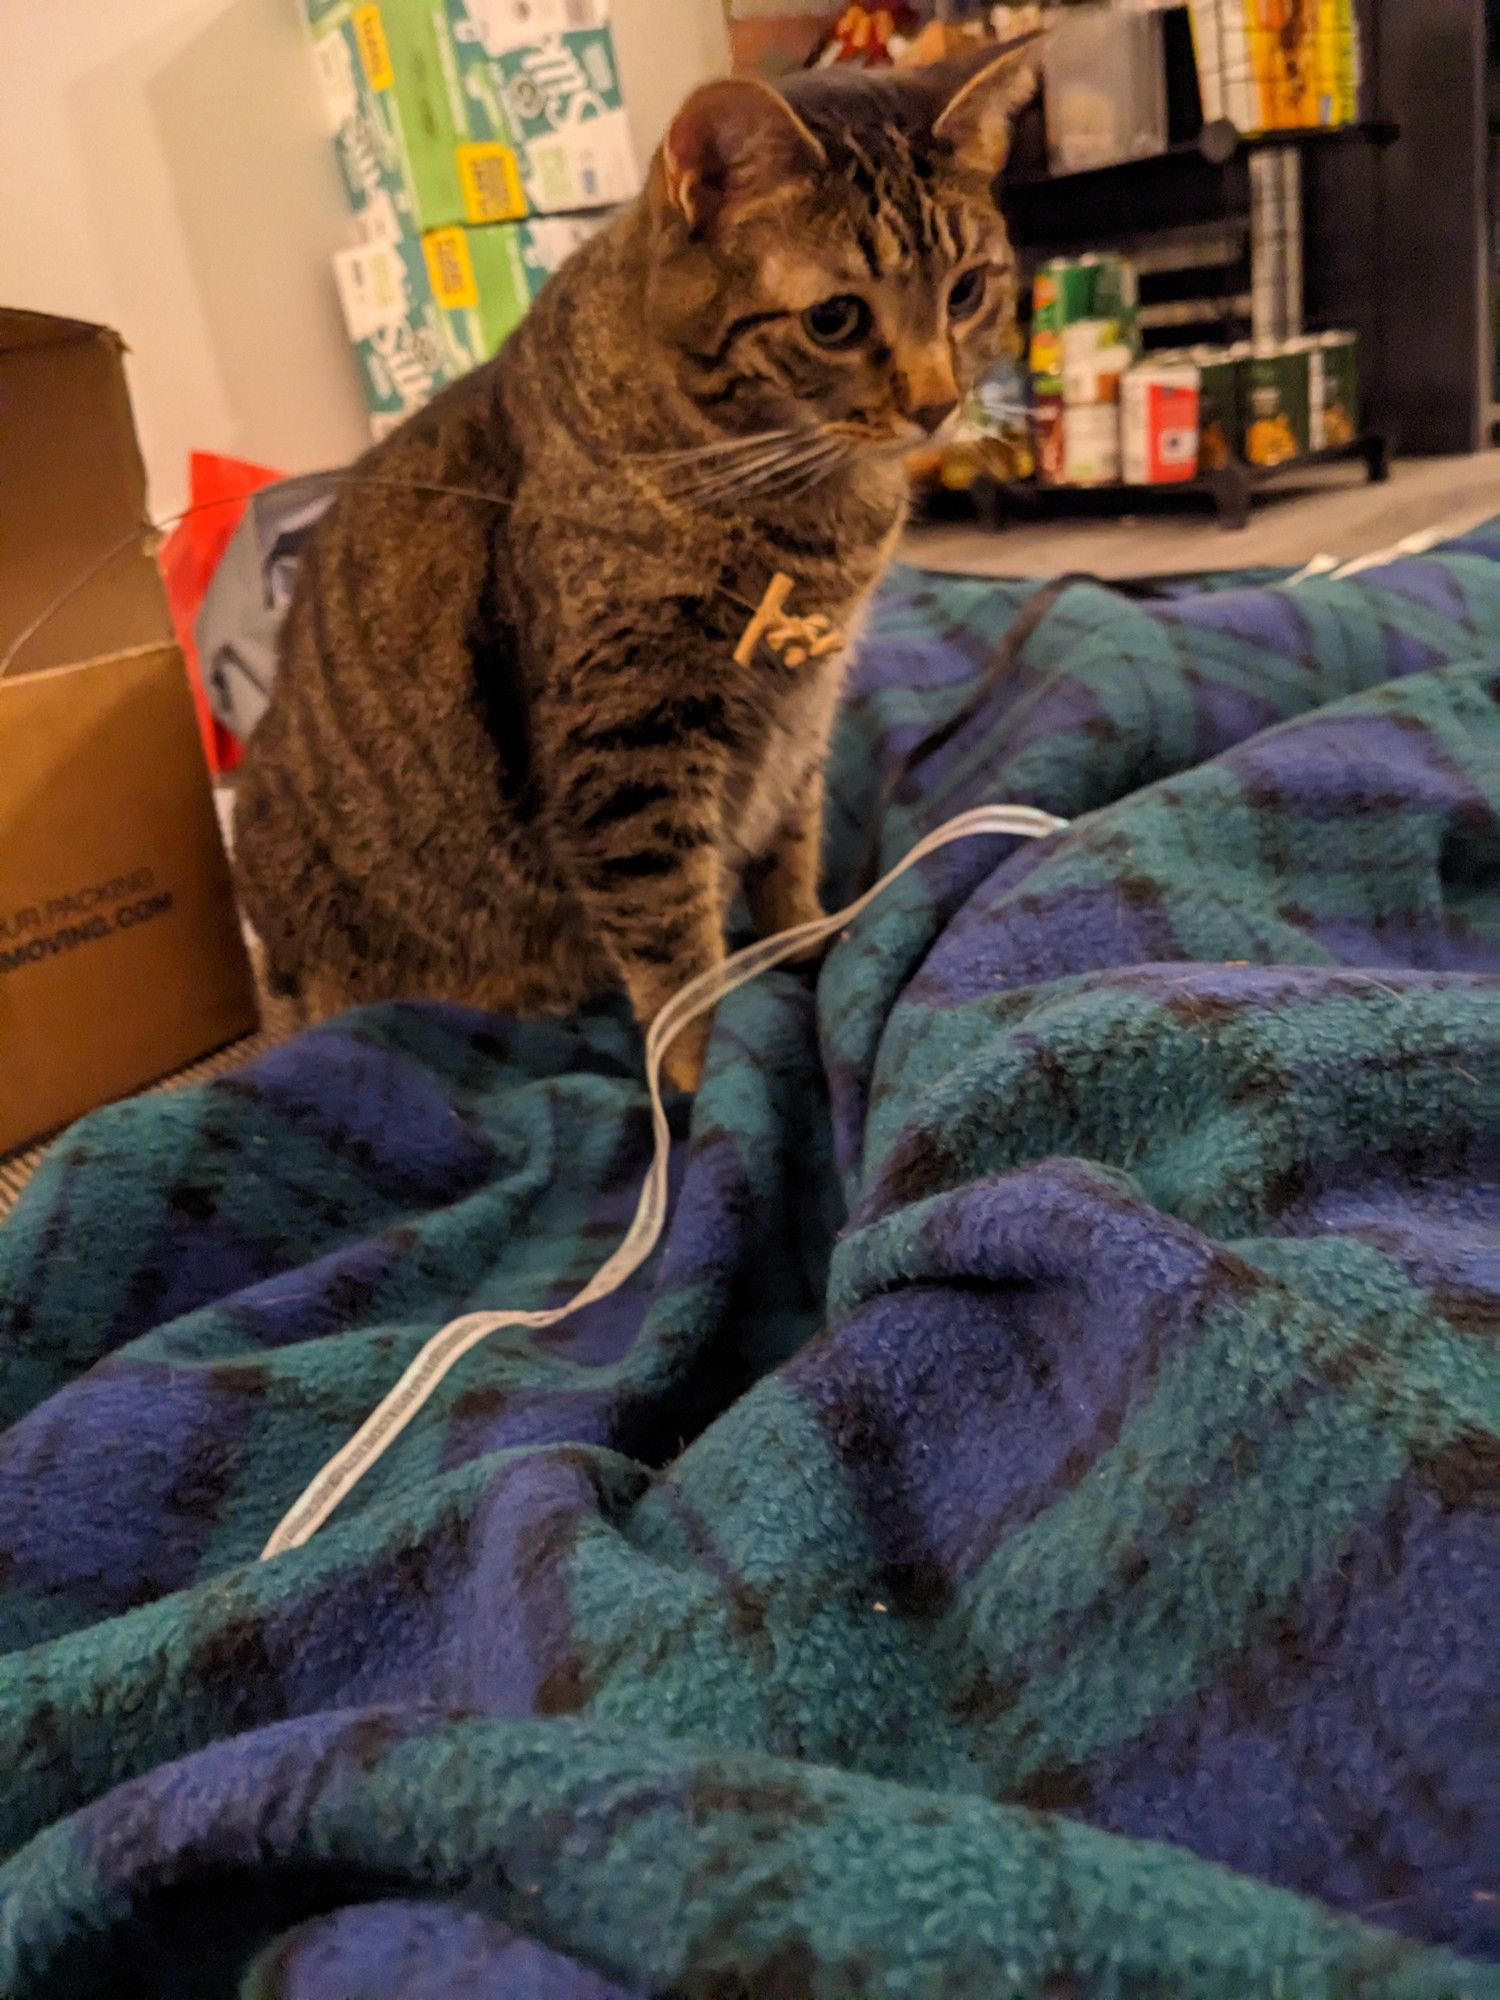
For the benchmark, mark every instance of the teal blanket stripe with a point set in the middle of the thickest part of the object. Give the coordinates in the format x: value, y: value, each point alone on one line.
x: 1032, y: 1532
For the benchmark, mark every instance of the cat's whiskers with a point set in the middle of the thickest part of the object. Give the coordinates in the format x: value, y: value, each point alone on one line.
x: 750, y: 480
x: 818, y: 455
x: 724, y: 478
x: 834, y: 460
x: 722, y: 447
x: 809, y: 477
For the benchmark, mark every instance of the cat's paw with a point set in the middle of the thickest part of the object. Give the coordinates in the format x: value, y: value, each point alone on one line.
x: 682, y: 1065
x: 788, y: 913
x: 808, y: 952
x: 792, y: 919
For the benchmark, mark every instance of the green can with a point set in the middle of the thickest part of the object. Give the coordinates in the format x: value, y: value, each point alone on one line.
x: 1335, y: 390
x: 1060, y: 297
x: 1068, y: 290
x: 1221, y: 437
x: 1076, y: 288
x: 1275, y: 403
x: 1114, y: 294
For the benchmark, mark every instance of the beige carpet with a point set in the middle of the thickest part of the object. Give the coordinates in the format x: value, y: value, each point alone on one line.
x: 1333, y: 512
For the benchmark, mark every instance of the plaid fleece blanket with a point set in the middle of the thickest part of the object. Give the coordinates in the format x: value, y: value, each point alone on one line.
x: 1033, y: 1531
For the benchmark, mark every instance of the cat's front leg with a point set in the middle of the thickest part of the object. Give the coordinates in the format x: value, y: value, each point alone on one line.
x: 661, y: 937
x: 782, y: 889
x: 641, y: 841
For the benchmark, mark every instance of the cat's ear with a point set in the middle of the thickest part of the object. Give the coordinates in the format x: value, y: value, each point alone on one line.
x: 731, y: 143
x: 979, y: 96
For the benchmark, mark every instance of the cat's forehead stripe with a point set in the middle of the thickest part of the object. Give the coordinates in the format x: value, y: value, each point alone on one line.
x: 897, y: 223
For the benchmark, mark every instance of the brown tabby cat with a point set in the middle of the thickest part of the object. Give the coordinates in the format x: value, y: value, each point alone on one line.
x: 510, y: 759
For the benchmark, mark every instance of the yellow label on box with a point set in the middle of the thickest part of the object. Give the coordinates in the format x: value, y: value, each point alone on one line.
x: 374, y: 50
x: 491, y: 183
x: 451, y: 269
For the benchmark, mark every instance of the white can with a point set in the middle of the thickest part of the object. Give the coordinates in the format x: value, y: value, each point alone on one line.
x: 1093, y: 360
x: 1091, y: 444
x: 1159, y: 425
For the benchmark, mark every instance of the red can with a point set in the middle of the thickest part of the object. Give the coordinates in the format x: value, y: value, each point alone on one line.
x: 1047, y: 431
x: 1159, y: 425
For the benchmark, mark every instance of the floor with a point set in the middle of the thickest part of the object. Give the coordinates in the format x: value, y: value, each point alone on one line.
x: 1337, y: 513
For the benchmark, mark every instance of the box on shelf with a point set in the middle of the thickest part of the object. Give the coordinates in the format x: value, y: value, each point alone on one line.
x: 121, y: 956
x: 423, y: 311
x: 473, y: 111
x: 1266, y: 66
x: 1105, y: 86
x: 1269, y: 403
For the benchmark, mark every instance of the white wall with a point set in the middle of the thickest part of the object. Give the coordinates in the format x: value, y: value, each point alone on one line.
x: 165, y: 170
x: 665, y: 48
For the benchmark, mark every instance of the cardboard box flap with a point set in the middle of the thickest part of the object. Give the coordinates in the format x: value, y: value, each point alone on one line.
x: 72, y: 491
x: 19, y: 328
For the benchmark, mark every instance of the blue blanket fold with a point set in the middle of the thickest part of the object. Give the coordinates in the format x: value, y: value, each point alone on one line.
x: 1033, y: 1529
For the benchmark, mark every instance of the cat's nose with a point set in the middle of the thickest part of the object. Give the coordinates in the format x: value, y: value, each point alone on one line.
x: 932, y: 416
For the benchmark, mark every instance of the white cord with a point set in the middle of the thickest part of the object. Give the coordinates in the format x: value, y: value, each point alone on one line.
x: 1409, y: 545
x: 1315, y: 566
x: 447, y: 1347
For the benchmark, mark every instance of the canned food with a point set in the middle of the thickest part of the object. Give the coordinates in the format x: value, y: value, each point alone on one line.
x: 1334, y: 390
x: 1220, y: 440
x: 1276, y: 403
x: 958, y: 468
x: 1114, y: 294
x: 995, y: 435
x: 1077, y: 285
x: 1091, y: 444
x: 1159, y: 425
x: 1059, y: 297
x: 1069, y: 291
x: 1047, y: 432
x: 1093, y: 360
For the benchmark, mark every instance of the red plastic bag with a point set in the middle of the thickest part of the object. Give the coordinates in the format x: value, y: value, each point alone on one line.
x: 219, y: 488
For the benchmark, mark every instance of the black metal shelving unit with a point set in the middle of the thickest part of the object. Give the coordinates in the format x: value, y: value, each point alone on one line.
x: 1218, y: 142
x: 1229, y: 490
x: 1197, y: 190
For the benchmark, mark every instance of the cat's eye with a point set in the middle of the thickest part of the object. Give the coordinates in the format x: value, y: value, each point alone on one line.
x: 839, y: 322
x: 967, y: 294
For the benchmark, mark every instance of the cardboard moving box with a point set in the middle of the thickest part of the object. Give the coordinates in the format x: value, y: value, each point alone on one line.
x: 121, y: 955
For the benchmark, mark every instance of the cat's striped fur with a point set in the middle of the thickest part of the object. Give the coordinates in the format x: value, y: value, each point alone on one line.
x: 509, y: 759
